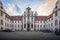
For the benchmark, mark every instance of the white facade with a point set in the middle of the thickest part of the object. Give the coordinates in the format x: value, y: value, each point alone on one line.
x: 29, y: 22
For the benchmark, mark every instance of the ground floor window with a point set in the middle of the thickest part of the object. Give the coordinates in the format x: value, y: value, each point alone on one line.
x: 59, y: 24
x: 31, y: 25
x: 1, y: 28
x: 55, y: 22
x: 24, y: 25
x: 41, y: 26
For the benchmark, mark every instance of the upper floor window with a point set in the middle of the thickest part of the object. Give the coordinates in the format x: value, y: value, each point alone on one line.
x: 1, y: 7
x: 59, y: 22
x: 5, y: 18
x: 44, y: 26
x: 44, y: 21
x: 56, y: 7
x: 56, y: 14
x: 10, y: 25
x: 51, y: 24
x: 5, y: 24
x: 52, y: 18
x: 1, y: 13
x: 15, y: 25
x: 18, y: 25
x: 1, y: 22
x: 55, y: 22
x: 40, y: 25
x: 48, y: 19
x: 18, y: 21
x: 41, y: 21
x: 15, y: 21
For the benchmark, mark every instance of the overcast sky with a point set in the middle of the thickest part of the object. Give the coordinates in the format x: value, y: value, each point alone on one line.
x: 17, y: 7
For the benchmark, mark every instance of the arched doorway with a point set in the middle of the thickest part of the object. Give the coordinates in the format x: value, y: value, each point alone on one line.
x: 28, y: 27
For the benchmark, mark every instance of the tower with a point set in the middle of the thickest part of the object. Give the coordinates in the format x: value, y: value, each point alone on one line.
x: 28, y: 11
x: 1, y: 5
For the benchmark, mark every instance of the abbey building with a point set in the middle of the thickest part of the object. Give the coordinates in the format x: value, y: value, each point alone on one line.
x: 30, y: 21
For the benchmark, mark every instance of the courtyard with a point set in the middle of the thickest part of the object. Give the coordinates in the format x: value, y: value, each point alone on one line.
x: 28, y: 36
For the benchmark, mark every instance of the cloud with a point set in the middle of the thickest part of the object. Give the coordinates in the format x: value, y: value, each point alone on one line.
x: 9, y: 8
x: 46, y: 8
x: 17, y: 8
x: 43, y: 7
x: 12, y: 9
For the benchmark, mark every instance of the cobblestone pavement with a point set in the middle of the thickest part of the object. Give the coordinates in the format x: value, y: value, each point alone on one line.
x: 29, y: 36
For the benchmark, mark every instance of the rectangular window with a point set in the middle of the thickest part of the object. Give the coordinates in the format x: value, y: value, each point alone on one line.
x: 10, y: 25
x: 49, y: 19
x: 44, y: 26
x: 56, y: 14
x: 32, y: 26
x: 55, y: 22
x: 59, y: 22
x: 52, y: 18
x: 1, y: 22
x: 24, y: 25
x: 41, y: 21
x: 15, y: 25
x: 1, y: 7
x: 51, y: 24
x: 5, y: 18
x: 56, y: 7
x: 18, y: 25
x: 1, y: 13
x: 40, y: 25
x: 15, y: 21
x: 5, y: 24
x: 44, y: 21
x: 18, y: 21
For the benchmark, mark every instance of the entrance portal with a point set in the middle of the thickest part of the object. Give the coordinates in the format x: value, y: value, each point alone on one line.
x: 28, y: 27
